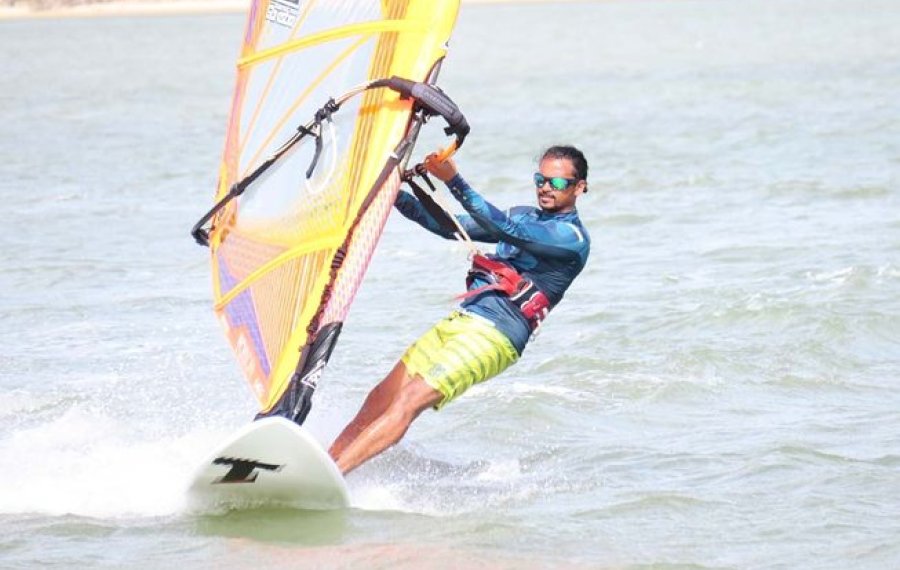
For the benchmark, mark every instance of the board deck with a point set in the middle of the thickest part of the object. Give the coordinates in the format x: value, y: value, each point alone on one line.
x: 272, y: 461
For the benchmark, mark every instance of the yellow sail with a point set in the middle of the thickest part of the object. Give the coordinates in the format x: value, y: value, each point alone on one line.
x: 289, y: 252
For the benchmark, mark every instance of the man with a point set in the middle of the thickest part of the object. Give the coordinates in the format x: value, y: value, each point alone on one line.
x: 539, y: 253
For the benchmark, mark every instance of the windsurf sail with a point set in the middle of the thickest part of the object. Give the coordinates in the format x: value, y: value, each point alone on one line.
x: 329, y: 97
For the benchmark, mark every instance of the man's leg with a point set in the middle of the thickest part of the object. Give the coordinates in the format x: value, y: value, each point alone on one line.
x: 456, y: 363
x: 384, y: 418
x: 376, y: 403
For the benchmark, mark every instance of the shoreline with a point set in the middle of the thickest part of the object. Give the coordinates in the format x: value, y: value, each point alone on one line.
x: 161, y: 7
x: 125, y: 8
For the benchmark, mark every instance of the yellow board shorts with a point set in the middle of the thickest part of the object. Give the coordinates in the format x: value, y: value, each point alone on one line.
x: 459, y: 352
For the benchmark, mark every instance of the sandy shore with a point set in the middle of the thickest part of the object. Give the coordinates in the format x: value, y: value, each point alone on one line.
x: 149, y: 7
x: 125, y: 7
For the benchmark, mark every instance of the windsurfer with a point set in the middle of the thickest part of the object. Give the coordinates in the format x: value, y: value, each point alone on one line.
x: 539, y: 253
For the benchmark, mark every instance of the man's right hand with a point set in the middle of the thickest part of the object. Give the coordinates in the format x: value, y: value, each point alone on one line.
x: 444, y: 170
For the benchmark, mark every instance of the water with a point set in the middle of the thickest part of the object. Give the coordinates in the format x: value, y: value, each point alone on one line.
x: 718, y: 389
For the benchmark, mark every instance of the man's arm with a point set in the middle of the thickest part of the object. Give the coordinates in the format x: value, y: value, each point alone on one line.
x: 558, y: 241
x: 413, y: 210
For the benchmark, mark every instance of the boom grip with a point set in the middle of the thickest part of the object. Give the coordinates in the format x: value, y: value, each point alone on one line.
x: 434, y: 101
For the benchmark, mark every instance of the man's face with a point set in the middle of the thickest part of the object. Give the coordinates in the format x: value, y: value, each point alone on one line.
x: 558, y: 201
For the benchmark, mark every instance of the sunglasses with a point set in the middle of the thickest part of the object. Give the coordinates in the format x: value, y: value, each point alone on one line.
x: 556, y: 182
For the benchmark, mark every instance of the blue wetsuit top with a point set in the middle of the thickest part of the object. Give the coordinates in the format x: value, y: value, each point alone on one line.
x: 550, y: 249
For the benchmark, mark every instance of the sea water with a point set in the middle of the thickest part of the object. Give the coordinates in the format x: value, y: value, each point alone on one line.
x: 719, y: 388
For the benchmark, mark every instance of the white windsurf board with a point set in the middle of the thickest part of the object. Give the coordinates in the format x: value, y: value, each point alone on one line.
x: 272, y: 461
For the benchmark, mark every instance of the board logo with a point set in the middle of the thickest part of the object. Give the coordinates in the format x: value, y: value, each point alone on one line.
x: 242, y: 470
x: 283, y: 12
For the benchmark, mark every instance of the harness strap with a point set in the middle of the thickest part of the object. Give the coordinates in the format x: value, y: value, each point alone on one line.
x: 441, y: 216
x: 435, y: 206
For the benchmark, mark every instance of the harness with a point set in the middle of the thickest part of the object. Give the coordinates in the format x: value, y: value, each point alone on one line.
x: 523, y: 293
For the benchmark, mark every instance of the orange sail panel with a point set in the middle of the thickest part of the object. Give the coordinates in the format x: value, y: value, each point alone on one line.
x: 290, y: 252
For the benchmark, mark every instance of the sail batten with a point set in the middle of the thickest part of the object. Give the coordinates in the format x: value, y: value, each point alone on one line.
x: 324, y: 246
x: 367, y: 29
x: 304, y: 96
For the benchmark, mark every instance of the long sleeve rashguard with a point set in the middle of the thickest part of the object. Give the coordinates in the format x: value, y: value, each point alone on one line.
x: 550, y: 249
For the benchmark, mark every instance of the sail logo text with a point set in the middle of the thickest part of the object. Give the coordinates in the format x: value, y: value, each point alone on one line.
x: 283, y: 12
x: 313, y: 376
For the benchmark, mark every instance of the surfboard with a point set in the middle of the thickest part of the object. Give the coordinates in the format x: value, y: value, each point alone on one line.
x: 271, y: 462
